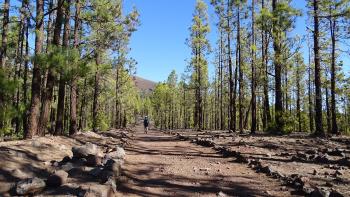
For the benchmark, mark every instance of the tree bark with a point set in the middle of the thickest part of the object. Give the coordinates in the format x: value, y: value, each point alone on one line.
x: 318, y: 105
x: 48, y: 92
x: 253, y: 85
x: 5, y: 27
x: 333, y: 28
x: 278, y: 72
x: 36, y: 81
x: 95, y: 106
x: 62, y: 82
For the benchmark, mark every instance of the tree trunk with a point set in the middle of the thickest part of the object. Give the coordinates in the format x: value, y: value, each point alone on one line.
x: 95, y: 106
x: 48, y: 92
x: 73, y: 90
x: 25, y: 78
x: 333, y: 28
x: 82, y: 108
x: 318, y: 106
x: 62, y: 82
x: 36, y: 81
x: 278, y: 71
x: 311, y: 113
x: 5, y: 27
x: 253, y: 126
x: 240, y: 60
x: 298, y: 97
x: 329, y: 119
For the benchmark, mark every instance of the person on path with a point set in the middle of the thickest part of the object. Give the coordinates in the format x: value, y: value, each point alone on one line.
x: 146, y: 124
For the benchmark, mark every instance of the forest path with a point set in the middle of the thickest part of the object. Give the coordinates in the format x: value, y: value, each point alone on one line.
x: 161, y: 165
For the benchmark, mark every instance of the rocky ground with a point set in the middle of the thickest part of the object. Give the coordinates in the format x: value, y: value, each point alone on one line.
x: 312, y: 166
x: 177, y: 163
x: 85, y: 165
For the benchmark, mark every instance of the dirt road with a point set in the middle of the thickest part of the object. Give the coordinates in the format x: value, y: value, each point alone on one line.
x: 160, y: 165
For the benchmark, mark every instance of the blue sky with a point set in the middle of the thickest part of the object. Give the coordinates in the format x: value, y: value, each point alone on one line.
x: 159, y: 44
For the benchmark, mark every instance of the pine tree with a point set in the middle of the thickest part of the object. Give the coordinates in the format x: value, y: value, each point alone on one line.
x: 200, y: 46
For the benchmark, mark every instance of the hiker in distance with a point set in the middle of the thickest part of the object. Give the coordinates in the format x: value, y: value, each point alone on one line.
x: 146, y: 124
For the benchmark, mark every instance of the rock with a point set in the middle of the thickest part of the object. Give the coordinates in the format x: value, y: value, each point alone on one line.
x: 93, y: 160
x: 335, y: 193
x: 285, y: 154
x: 337, y: 152
x: 320, y: 192
x: 221, y: 194
x: 267, y: 170
x: 6, y: 187
x: 311, y: 152
x: 344, y: 162
x: 307, y: 189
x: 85, y: 150
x: 96, y: 172
x: 338, y: 173
x: 20, y: 174
x: 204, y: 169
x: 300, y: 182
x: 302, y: 156
x: 30, y: 186
x: 36, y: 144
x: 314, y: 172
x: 329, y: 184
x: 119, y: 153
x: 57, y: 179
x: 240, y: 158
x: 65, y: 160
x: 106, y: 176
x: 114, y: 165
x: 322, y: 159
x: 67, y: 167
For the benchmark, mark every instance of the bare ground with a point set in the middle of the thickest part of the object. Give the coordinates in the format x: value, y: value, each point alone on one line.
x: 168, y: 164
x: 160, y: 165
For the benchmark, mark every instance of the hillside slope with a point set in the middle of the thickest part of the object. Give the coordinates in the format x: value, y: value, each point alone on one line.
x: 144, y: 85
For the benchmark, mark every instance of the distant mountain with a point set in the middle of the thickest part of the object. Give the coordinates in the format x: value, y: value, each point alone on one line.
x: 144, y: 85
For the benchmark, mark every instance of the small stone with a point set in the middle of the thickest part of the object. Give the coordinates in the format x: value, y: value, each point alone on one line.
x: 67, y: 167
x: 329, y: 184
x: 320, y: 192
x: 57, y: 179
x: 85, y: 150
x: 335, y: 193
x: 93, y: 160
x: 221, y: 194
x: 338, y: 173
x: 30, y: 186
x: 96, y: 171
x: 315, y: 172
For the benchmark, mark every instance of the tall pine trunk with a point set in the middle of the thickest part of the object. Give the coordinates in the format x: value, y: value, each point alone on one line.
x: 95, y: 105
x: 5, y: 27
x: 36, y: 80
x: 278, y: 71
x: 62, y: 82
x: 318, y: 92
x: 73, y: 89
x: 333, y: 29
x: 253, y: 85
x: 48, y: 92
